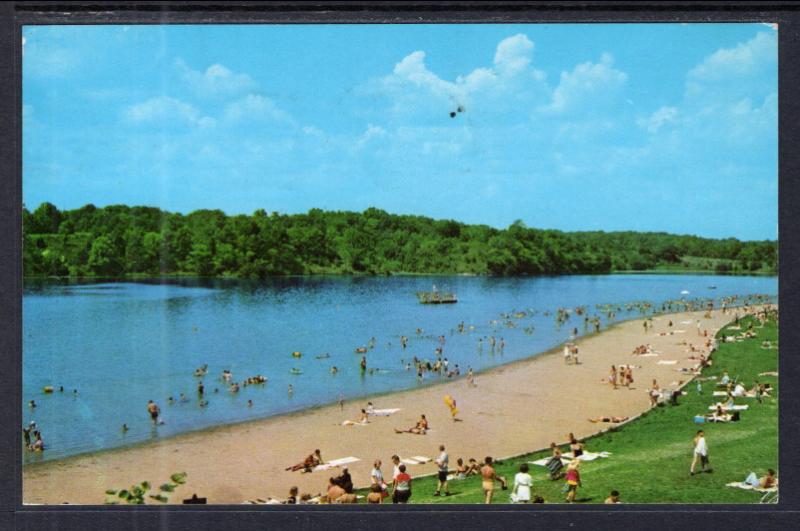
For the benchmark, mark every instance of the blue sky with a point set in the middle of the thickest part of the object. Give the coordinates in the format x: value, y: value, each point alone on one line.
x: 666, y: 127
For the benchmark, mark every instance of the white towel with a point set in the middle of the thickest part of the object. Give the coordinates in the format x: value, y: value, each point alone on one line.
x: 648, y: 355
x: 667, y: 362
x: 588, y: 456
x: 747, y: 486
x: 737, y: 407
x: 679, y: 331
x: 421, y: 458
x: 335, y: 463
x: 544, y: 461
x: 384, y: 412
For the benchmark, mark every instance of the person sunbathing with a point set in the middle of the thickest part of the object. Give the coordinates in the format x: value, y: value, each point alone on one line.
x: 420, y: 428
x: 719, y: 415
x: 768, y: 481
x: 461, y: 469
x: 308, y: 464
x: 609, y: 419
x: 362, y: 419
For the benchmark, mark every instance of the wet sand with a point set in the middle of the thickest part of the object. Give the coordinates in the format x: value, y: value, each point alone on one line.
x: 513, y: 409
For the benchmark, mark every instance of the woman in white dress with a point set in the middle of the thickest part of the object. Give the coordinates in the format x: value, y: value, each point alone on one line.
x: 522, y: 485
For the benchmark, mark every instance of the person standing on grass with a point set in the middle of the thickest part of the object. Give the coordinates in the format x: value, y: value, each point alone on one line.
x: 442, y: 462
x: 401, y: 487
x: 573, y: 478
x: 489, y: 476
x: 700, y: 453
x: 522, y: 485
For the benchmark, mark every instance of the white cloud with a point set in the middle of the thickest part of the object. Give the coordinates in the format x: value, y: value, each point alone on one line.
x: 256, y: 107
x: 216, y: 80
x: 743, y: 59
x: 587, y: 83
x: 662, y: 116
x: 513, y: 55
x: 166, y: 111
x: 372, y: 132
x: 415, y: 90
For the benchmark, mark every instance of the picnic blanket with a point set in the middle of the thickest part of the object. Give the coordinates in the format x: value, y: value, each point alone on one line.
x: 747, y: 486
x: 336, y: 463
x: 736, y: 407
x: 384, y: 412
x: 666, y: 362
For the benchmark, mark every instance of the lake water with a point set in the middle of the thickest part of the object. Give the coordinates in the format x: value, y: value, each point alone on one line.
x: 122, y: 343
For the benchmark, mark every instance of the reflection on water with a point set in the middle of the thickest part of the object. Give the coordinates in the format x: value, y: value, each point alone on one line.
x: 122, y: 343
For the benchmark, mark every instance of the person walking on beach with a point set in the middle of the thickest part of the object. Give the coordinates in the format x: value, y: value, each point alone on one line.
x: 154, y: 411
x: 442, y: 462
x: 612, y: 376
x: 700, y: 453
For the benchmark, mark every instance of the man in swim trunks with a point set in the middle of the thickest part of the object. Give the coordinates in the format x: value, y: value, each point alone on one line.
x: 153, y: 409
x: 489, y: 476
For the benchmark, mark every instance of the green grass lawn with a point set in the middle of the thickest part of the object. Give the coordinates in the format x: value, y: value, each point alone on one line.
x: 651, y: 456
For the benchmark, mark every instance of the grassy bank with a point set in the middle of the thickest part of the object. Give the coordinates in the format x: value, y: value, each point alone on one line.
x: 651, y: 455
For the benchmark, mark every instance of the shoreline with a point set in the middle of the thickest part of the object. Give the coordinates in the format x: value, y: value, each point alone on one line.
x: 360, y: 399
x: 112, y: 468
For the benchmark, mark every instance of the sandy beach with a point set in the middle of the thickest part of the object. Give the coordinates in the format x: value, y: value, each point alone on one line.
x: 513, y: 409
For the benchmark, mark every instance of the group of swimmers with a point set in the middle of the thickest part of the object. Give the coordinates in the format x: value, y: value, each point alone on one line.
x: 32, y: 437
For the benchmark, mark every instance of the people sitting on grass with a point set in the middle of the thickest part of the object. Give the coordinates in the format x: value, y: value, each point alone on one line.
x: 420, y: 428
x: 613, y: 497
x: 345, y: 481
x: 554, y: 464
x: 719, y: 415
x: 461, y: 469
x: 335, y: 491
x: 375, y: 495
x: 473, y: 469
x: 308, y: 464
x: 575, y: 446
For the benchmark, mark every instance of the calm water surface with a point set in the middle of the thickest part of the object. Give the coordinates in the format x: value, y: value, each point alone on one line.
x: 122, y: 343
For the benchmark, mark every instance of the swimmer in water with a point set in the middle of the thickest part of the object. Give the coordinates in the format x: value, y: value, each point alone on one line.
x: 291, y: 389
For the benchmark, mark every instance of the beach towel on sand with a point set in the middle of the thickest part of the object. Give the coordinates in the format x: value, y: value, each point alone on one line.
x: 384, y: 412
x: 335, y: 463
x: 747, y: 486
x: 667, y: 362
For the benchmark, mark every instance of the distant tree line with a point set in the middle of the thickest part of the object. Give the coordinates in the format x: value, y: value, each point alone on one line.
x: 121, y: 240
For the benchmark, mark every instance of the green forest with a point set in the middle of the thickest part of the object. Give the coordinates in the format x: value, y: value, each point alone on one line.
x: 121, y: 240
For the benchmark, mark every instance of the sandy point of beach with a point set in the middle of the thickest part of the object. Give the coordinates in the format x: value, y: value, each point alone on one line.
x: 513, y: 409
